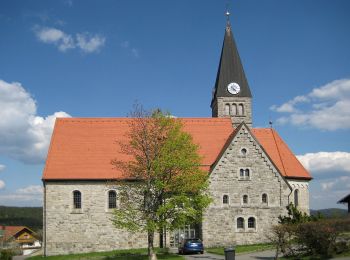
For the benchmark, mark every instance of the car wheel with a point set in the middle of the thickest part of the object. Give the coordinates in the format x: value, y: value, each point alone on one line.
x: 202, y: 252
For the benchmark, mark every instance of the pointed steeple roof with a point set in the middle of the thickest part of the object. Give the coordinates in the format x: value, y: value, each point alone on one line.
x: 230, y: 69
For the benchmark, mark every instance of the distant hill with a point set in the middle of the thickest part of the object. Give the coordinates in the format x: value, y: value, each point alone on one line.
x: 31, y: 217
x: 330, y: 213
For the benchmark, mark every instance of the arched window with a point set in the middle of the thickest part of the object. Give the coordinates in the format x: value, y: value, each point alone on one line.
x: 247, y: 173
x: 225, y: 199
x: 245, y: 199
x: 241, y: 173
x: 234, y: 109
x: 244, y: 151
x: 112, y: 199
x: 77, y: 199
x: 240, y: 110
x: 227, y: 109
x: 244, y: 174
x: 240, y: 223
x: 251, y: 222
x: 296, y: 198
x: 264, y: 198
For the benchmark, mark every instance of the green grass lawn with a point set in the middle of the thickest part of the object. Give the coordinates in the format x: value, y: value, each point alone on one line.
x: 241, y: 249
x: 132, y: 254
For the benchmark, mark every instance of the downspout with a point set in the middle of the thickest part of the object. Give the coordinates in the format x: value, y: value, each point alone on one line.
x: 44, y: 220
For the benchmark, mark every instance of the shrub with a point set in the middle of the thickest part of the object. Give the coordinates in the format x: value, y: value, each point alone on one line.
x: 6, y: 254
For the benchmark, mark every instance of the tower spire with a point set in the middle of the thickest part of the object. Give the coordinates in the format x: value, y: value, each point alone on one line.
x: 231, y: 94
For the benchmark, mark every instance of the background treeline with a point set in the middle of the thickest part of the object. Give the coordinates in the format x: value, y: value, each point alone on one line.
x: 31, y: 217
x: 330, y: 213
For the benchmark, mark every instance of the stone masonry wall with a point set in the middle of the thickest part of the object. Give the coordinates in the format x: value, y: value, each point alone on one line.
x: 303, y: 194
x: 219, y: 109
x: 220, y: 220
x: 89, y: 230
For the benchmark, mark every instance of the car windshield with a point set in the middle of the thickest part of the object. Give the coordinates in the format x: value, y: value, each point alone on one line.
x: 193, y: 241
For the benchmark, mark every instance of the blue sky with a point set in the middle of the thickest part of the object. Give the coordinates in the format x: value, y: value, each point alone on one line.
x: 96, y: 58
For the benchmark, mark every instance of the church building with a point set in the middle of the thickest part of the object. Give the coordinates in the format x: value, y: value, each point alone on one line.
x: 253, y: 175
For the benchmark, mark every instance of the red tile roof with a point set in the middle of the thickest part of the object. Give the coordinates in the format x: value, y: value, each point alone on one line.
x: 82, y: 148
x: 10, y: 231
x: 283, y: 158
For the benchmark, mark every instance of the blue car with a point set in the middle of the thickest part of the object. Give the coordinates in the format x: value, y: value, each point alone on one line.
x: 191, y: 245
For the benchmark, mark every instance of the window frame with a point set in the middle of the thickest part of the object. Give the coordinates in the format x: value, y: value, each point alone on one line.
x: 109, y: 192
x: 227, y: 199
x: 254, y: 222
x: 240, y: 226
x: 243, y: 199
x: 77, y: 200
x: 296, y: 197
x: 244, y: 174
x: 262, y: 199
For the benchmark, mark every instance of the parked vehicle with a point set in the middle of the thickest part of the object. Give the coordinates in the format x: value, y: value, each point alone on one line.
x: 191, y: 245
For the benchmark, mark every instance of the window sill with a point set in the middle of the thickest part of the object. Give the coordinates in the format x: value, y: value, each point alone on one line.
x: 244, y: 179
x: 77, y: 211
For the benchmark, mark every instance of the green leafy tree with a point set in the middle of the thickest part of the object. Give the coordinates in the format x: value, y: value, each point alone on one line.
x: 295, y: 216
x: 167, y: 186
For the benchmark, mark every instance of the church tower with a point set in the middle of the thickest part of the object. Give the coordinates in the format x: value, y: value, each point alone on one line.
x: 231, y: 94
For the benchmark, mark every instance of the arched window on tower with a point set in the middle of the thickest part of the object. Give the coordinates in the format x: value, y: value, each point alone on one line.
x: 296, y: 198
x: 77, y: 199
x: 234, y: 109
x: 227, y: 109
x: 112, y: 199
x: 240, y: 110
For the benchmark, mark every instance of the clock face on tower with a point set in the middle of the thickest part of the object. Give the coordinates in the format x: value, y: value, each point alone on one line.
x: 233, y: 88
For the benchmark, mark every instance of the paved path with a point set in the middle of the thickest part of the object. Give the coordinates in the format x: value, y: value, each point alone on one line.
x: 263, y: 255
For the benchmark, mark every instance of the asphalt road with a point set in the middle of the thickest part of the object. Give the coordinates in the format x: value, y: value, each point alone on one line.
x: 264, y: 255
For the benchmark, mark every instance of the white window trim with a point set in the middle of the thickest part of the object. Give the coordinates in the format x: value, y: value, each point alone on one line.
x: 240, y: 151
x: 240, y: 230
x: 239, y: 174
x: 256, y: 224
x: 107, y: 209
x: 245, y: 204
x: 74, y: 210
x: 268, y: 199
x: 222, y: 200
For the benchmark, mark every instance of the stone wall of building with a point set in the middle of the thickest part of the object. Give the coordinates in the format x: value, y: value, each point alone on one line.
x: 302, y: 189
x: 90, y: 229
x: 220, y: 220
x: 219, y: 109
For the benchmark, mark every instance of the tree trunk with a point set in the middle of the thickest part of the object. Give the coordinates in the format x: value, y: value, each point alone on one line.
x: 161, y: 245
x: 151, y: 254
x: 165, y: 237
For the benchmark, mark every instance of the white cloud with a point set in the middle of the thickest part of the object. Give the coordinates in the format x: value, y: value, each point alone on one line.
x: 2, y: 184
x: 24, y: 135
x: 329, y: 107
x: 31, y: 190
x: 326, y: 162
x: 33, y: 193
x: 2, y: 167
x: 86, y: 42
x: 90, y: 43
